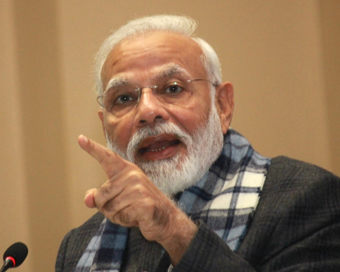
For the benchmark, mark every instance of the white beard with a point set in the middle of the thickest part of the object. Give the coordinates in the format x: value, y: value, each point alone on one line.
x: 175, y: 174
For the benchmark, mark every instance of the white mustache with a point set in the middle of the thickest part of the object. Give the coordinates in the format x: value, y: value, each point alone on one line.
x: 161, y: 128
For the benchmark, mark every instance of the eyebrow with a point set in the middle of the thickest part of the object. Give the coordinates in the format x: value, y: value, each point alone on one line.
x: 170, y: 70
x: 116, y: 82
x: 166, y: 71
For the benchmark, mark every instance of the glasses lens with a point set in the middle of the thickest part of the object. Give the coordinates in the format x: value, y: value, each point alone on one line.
x: 174, y: 92
x: 119, y: 100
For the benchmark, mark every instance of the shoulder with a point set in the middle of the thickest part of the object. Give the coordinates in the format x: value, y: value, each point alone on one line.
x: 293, y: 186
x: 288, y: 167
x: 86, y: 230
x: 75, y: 243
x: 299, y: 208
x: 290, y: 175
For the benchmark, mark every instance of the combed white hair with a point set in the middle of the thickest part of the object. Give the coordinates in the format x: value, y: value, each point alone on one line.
x: 179, y: 24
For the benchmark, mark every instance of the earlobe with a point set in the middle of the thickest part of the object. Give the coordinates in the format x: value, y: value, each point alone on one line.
x: 225, y: 104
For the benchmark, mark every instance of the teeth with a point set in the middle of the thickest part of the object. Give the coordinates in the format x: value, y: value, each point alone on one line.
x: 158, y: 149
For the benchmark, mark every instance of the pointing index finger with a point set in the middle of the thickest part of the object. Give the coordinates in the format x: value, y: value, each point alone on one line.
x: 107, y: 158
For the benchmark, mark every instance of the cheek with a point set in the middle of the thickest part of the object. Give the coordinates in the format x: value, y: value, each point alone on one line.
x: 189, y: 119
x: 119, y: 130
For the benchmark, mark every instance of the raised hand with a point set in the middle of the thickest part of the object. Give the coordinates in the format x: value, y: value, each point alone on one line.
x: 129, y: 198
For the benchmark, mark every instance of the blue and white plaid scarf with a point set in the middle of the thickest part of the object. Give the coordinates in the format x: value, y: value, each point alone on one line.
x: 225, y: 199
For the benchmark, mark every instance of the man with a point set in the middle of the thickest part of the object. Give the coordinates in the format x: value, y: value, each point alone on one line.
x: 185, y: 192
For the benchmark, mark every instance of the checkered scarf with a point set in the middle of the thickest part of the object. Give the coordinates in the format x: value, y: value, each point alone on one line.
x: 225, y: 199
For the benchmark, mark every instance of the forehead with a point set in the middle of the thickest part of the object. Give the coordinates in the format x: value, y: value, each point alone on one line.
x: 142, y: 56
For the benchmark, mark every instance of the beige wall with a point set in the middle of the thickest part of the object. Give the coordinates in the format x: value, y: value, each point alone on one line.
x: 282, y: 57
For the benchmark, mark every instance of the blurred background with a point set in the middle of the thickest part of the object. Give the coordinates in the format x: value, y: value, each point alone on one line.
x: 282, y: 57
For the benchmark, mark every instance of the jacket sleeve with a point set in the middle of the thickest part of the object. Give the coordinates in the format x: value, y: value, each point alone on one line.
x: 209, y: 253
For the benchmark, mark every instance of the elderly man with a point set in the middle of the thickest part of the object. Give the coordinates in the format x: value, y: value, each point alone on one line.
x: 185, y: 192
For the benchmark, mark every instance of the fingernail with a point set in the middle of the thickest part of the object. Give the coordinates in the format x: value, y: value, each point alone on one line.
x: 85, y: 139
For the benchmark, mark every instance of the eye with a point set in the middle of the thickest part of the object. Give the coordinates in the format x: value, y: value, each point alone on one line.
x: 124, y: 99
x: 173, y: 88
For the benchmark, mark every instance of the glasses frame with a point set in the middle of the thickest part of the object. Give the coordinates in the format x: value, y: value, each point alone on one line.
x: 153, y: 87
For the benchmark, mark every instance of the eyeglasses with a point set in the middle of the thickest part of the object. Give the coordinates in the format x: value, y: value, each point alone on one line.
x: 119, y: 100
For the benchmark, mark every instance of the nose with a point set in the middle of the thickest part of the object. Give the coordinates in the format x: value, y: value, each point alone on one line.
x: 149, y: 109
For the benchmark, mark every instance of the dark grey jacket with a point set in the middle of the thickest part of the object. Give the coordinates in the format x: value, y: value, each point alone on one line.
x: 296, y: 227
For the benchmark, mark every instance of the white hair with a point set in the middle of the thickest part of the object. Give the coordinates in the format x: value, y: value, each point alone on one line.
x: 172, y: 23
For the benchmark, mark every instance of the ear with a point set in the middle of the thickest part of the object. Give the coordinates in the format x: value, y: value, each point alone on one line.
x: 101, y: 117
x: 225, y: 104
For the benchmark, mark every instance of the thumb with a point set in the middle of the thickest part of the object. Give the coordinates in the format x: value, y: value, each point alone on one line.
x: 89, y: 198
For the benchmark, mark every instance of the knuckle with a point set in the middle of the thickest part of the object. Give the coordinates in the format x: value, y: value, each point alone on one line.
x: 134, y: 175
x: 124, y: 217
x: 111, y: 205
x: 106, y: 189
x: 140, y: 190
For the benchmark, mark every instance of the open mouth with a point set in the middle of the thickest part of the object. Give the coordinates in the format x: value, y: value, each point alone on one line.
x: 159, y: 147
